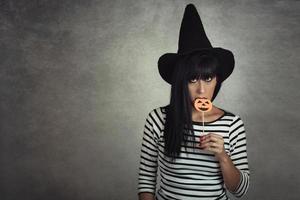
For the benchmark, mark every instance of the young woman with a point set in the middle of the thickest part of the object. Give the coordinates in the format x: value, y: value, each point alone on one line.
x: 182, y: 156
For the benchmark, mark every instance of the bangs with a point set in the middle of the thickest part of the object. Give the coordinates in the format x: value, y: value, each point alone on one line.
x: 201, y: 67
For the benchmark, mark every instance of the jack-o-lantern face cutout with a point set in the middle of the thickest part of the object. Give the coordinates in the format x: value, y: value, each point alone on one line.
x: 202, y: 104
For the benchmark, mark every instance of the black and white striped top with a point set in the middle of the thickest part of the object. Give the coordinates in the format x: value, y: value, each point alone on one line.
x: 196, y: 173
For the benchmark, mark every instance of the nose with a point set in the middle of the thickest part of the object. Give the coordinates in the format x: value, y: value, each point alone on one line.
x: 200, y: 88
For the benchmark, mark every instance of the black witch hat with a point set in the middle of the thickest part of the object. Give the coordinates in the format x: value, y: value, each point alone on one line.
x: 192, y: 38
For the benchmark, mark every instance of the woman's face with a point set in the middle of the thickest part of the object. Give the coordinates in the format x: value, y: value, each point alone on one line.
x: 202, y: 88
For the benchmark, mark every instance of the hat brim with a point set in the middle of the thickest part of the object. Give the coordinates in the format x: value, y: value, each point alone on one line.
x: 166, y: 62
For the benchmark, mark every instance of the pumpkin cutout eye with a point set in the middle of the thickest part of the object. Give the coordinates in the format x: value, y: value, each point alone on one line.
x: 202, y: 105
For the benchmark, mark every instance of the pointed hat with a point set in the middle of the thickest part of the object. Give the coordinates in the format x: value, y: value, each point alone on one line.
x: 192, y: 38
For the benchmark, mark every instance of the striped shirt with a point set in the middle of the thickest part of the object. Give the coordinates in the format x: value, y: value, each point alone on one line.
x: 196, y: 173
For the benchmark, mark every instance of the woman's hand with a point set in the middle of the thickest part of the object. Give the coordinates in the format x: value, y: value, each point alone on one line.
x: 213, y: 143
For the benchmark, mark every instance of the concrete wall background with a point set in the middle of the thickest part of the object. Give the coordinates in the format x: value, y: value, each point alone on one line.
x: 77, y: 79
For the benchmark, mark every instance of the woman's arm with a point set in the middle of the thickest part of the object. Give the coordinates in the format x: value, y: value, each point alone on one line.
x: 146, y: 196
x: 231, y: 174
x: 215, y: 143
x: 238, y: 157
x: 234, y: 167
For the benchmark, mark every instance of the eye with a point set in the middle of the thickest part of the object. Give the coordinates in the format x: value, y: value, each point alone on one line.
x: 193, y: 80
x: 208, y: 79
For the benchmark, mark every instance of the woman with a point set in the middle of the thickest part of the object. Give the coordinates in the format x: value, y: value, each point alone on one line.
x: 181, y: 158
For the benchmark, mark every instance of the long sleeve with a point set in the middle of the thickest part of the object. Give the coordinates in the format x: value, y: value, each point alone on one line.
x: 238, y: 151
x: 148, y: 157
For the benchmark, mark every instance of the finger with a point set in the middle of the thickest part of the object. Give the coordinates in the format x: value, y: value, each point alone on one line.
x: 217, y: 135
x: 212, y: 144
x: 215, y: 147
x: 211, y: 149
x: 214, y: 135
x: 209, y: 144
x: 212, y: 139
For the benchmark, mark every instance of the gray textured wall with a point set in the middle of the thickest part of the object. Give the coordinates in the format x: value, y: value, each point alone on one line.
x: 79, y: 77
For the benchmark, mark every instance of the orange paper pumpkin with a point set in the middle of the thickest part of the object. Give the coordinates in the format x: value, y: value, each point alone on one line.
x: 202, y: 104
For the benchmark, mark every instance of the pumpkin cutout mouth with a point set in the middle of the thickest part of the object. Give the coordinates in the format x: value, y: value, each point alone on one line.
x: 202, y: 104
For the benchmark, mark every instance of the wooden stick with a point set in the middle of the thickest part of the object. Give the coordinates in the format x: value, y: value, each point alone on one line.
x: 202, y: 123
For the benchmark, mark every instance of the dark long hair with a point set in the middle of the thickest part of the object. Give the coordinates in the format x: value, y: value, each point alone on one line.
x: 178, y: 126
